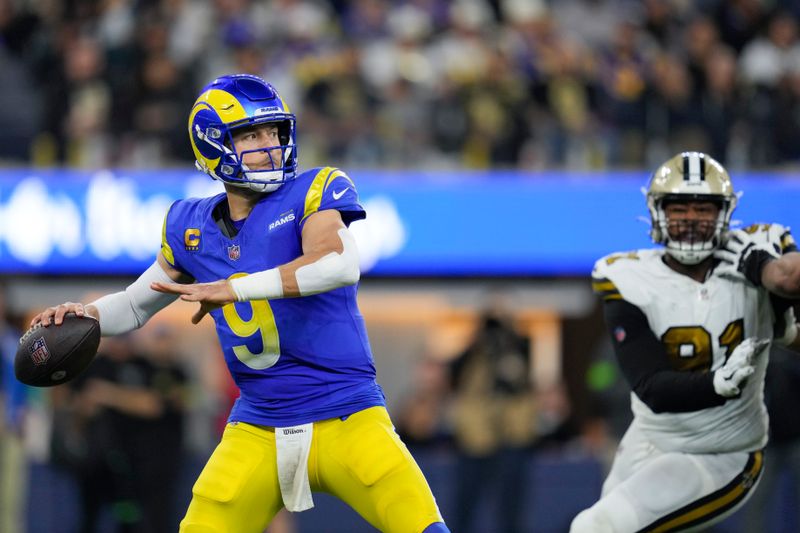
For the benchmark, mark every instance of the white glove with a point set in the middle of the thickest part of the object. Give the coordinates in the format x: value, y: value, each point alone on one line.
x: 744, y: 255
x: 738, y: 367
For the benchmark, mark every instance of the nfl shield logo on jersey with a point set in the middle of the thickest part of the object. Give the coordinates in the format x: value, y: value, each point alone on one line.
x: 234, y: 252
x: 39, y: 352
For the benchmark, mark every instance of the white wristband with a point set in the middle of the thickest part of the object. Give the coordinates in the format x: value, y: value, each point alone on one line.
x: 264, y: 285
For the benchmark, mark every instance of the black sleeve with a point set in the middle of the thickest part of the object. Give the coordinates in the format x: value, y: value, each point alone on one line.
x: 779, y: 306
x: 644, y: 363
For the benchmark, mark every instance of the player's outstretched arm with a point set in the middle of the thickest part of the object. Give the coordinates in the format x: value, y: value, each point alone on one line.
x: 782, y: 276
x: 122, y: 311
x: 760, y: 261
x: 329, y: 261
x: 210, y: 296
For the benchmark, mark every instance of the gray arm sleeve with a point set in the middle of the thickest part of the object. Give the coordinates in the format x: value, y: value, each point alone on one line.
x: 127, y: 310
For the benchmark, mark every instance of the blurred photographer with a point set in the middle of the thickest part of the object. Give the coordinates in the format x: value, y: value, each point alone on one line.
x: 494, y: 422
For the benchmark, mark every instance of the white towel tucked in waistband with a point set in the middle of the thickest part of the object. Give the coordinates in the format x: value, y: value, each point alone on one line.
x: 294, y: 445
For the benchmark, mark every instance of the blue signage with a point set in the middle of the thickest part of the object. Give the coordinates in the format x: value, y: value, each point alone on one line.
x: 418, y: 224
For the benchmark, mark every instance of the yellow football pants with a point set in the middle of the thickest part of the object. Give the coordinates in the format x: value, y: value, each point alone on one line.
x: 360, y: 460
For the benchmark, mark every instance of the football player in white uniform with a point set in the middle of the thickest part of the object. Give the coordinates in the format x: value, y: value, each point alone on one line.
x: 691, y: 325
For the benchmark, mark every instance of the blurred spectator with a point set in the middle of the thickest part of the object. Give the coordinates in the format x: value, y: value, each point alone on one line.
x: 421, y: 415
x: 786, y: 119
x: 719, y: 101
x: 738, y: 21
x: 555, y: 422
x: 119, y: 426
x: 593, y: 22
x: 661, y: 21
x: 88, y: 105
x: 766, y: 65
x: 699, y: 40
x: 767, y: 59
x: 494, y: 424
x: 782, y: 395
x: 160, y: 101
x: 13, y: 464
x: 21, y: 115
x: 623, y: 68
x: 673, y: 114
x: 365, y: 20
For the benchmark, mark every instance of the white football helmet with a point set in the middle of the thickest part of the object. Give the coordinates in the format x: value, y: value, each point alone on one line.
x: 690, y: 176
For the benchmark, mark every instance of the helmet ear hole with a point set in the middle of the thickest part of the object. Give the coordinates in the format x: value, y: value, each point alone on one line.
x: 284, y: 133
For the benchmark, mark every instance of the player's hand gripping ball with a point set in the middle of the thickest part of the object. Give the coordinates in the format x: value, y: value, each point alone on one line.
x: 52, y: 355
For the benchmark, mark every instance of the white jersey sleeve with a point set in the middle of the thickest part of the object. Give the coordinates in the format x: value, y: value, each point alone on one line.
x: 621, y: 276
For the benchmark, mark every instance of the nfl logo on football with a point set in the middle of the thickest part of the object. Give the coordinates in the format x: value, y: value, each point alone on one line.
x: 39, y: 352
x: 234, y: 252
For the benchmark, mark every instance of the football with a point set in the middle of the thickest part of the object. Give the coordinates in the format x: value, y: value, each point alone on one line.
x: 52, y: 355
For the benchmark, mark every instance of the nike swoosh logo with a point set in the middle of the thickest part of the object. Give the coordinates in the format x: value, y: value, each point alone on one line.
x: 339, y: 194
x: 226, y: 107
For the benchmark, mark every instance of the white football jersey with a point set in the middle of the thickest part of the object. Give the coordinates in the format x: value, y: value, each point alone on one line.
x: 700, y: 324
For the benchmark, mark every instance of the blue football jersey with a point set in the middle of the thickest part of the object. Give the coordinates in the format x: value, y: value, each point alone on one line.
x: 295, y: 360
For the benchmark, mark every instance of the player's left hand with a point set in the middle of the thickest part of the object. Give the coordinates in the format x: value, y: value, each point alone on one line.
x: 742, y: 256
x: 730, y: 378
x: 210, y: 295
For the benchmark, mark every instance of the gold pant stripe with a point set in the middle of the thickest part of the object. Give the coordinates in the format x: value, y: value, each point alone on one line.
x: 716, y: 502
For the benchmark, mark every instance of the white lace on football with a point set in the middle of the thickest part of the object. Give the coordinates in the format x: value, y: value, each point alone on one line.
x: 31, y: 331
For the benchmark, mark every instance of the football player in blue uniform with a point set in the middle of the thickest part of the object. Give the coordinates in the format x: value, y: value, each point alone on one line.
x: 273, y: 262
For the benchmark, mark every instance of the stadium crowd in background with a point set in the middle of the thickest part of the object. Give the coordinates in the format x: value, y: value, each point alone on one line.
x: 577, y: 84
x: 421, y: 84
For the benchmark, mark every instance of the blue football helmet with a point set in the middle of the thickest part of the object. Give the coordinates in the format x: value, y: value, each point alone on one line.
x: 241, y: 101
